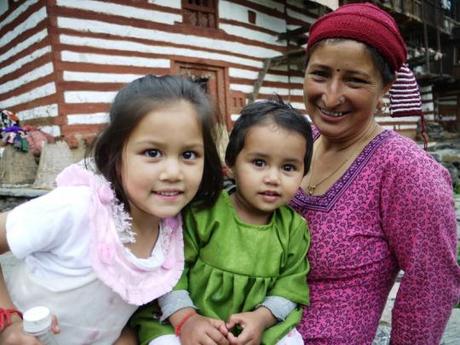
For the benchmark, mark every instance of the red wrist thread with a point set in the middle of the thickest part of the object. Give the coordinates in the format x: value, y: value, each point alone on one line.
x: 183, y: 321
x: 5, y: 317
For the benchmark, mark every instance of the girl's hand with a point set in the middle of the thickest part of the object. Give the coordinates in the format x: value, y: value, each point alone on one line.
x: 252, y: 325
x: 204, y: 331
x: 55, y: 325
x: 14, y: 335
x: 127, y: 337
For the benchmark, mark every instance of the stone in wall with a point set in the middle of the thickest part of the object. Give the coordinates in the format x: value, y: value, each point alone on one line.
x: 53, y: 159
x: 16, y: 167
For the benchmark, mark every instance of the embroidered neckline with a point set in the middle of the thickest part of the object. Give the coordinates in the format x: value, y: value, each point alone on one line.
x: 122, y: 220
x: 327, y: 200
x: 123, y: 223
x: 134, y: 284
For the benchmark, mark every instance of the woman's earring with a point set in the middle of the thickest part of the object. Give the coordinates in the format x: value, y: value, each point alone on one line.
x: 382, y: 108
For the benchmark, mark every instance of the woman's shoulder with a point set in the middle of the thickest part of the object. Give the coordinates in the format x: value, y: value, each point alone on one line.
x: 402, y: 152
x: 396, y: 143
x: 401, y: 158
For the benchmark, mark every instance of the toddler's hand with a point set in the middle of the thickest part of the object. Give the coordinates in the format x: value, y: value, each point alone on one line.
x: 252, y: 325
x: 203, y: 330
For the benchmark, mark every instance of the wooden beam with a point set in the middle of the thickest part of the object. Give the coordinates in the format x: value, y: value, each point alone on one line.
x: 260, y: 79
x: 293, y: 34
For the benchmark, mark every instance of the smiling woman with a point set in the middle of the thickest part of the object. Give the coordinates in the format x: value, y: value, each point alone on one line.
x: 375, y: 202
x: 341, y: 101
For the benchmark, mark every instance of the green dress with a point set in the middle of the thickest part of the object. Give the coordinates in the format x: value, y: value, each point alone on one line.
x: 231, y: 266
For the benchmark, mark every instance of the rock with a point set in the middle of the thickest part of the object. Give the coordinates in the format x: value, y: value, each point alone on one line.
x: 16, y: 167
x: 383, y: 335
x: 453, y: 171
x: 433, y: 129
x: 54, y: 158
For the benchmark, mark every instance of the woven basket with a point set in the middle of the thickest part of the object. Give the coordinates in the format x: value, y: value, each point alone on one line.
x: 17, y: 167
x: 53, y: 159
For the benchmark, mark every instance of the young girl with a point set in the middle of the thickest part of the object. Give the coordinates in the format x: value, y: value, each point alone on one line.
x: 245, y: 256
x: 109, y: 238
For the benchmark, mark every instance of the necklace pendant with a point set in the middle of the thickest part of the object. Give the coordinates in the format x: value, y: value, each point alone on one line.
x: 311, y: 189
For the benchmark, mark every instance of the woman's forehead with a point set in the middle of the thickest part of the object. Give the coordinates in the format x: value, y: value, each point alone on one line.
x: 341, y: 52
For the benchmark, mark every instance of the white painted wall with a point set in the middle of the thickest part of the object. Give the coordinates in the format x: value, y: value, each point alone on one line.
x: 167, y: 3
x: 17, y: 12
x: 41, y: 91
x: 31, y: 22
x: 232, y: 11
x: 85, y: 25
x: 122, y: 10
x: 30, y: 76
x: 3, y: 6
x: 126, y: 45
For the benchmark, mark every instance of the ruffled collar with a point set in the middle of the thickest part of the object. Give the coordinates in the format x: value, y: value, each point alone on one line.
x: 110, y: 227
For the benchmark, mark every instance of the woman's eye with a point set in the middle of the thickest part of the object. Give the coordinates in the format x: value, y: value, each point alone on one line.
x: 189, y: 155
x: 357, y: 81
x: 258, y: 163
x: 317, y: 73
x: 152, y: 153
x: 289, y: 167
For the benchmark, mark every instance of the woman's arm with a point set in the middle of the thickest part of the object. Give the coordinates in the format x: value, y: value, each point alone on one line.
x: 419, y: 222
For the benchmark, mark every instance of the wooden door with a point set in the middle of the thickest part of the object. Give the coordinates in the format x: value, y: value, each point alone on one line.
x: 213, y: 81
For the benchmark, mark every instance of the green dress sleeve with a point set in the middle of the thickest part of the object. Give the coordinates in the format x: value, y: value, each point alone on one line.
x: 291, y: 283
x: 191, y: 247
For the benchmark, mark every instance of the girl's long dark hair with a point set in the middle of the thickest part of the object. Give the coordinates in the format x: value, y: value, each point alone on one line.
x: 131, y: 104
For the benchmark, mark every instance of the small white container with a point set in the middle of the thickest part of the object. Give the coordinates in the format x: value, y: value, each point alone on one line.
x: 37, y: 322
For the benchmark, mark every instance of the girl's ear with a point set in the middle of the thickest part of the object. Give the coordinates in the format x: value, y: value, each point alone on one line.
x: 228, y: 171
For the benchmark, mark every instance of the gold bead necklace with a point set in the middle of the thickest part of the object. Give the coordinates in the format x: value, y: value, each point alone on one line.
x: 312, y: 187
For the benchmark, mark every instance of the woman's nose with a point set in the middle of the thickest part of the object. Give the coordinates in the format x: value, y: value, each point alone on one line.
x: 333, y: 95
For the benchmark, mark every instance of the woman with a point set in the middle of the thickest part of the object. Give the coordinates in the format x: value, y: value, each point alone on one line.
x: 375, y: 202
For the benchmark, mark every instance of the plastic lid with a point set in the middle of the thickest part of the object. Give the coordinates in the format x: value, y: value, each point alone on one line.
x: 36, y: 319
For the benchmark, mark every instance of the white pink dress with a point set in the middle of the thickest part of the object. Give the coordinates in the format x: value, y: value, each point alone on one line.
x: 71, y: 241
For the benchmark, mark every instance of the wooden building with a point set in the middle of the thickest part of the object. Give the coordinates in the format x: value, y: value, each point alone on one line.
x: 431, y: 29
x: 62, y: 61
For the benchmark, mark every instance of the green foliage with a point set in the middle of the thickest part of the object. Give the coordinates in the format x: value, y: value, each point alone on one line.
x: 458, y: 254
x: 457, y: 188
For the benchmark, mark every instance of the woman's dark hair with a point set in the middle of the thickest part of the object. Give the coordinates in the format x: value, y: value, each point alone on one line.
x: 276, y: 111
x: 384, y: 68
x: 132, y: 103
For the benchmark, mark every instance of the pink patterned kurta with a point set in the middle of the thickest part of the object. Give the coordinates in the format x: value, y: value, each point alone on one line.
x: 392, y: 209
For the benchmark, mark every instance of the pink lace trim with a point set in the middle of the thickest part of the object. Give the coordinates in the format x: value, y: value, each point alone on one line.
x: 134, y: 284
